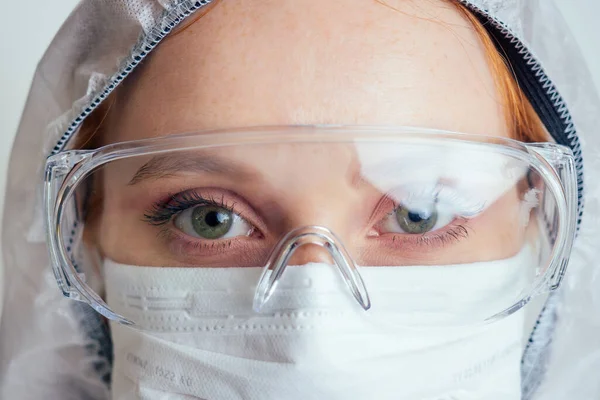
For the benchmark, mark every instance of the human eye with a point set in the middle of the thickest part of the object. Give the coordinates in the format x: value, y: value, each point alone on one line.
x: 416, y: 220
x: 196, y: 223
x: 212, y: 222
x: 427, y: 215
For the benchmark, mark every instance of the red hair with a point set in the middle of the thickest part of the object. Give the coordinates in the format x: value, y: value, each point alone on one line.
x: 522, y: 120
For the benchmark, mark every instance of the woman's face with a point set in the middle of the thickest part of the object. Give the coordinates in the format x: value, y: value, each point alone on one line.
x: 351, y: 62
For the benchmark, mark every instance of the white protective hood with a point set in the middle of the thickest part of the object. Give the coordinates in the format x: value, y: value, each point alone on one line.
x: 54, y: 348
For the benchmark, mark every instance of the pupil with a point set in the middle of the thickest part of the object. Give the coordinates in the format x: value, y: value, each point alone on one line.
x: 210, y: 222
x: 417, y: 221
x: 414, y: 217
x: 214, y: 219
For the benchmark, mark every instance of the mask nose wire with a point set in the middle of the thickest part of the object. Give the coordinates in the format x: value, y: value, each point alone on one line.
x: 283, y: 251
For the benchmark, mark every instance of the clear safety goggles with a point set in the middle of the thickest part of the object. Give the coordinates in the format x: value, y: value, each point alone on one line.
x: 356, y: 198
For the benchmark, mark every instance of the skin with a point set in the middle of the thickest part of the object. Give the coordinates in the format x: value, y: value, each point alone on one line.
x: 265, y: 62
x: 419, y: 66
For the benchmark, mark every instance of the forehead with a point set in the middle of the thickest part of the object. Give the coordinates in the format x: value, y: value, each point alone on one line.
x: 265, y: 62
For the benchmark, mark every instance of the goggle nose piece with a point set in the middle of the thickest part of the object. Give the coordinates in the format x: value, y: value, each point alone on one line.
x: 283, y: 251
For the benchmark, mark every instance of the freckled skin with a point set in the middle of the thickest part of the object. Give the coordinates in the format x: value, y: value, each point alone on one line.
x: 335, y: 61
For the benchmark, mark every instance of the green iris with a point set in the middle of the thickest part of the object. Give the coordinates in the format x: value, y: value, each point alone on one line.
x: 211, y: 222
x: 416, y: 222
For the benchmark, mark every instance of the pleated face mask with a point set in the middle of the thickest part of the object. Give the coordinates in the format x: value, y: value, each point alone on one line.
x: 199, y: 336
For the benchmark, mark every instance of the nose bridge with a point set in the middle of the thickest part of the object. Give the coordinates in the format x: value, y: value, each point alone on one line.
x: 303, y: 245
x: 331, y: 198
x: 309, y: 237
x: 310, y: 253
x: 319, y: 208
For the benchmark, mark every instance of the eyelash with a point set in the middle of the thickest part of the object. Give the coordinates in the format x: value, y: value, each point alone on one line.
x: 194, y: 245
x: 454, y: 232
x: 162, y: 212
x: 446, y: 235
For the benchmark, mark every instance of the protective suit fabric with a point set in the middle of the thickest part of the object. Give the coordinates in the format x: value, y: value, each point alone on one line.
x: 51, y: 347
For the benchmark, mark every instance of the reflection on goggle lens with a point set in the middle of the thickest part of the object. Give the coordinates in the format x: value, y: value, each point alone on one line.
x: 445, y: 205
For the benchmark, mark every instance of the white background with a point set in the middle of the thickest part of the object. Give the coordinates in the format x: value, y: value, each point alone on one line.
x: 28, y: 27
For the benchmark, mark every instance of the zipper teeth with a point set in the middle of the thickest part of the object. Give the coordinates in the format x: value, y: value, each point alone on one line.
x: 564, y: 131
x: 166, y: 23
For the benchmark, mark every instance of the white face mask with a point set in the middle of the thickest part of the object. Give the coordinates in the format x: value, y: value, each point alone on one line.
x: 312, y: 341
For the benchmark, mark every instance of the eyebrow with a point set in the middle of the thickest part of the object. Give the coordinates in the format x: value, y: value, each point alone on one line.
x: 162, y: 166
